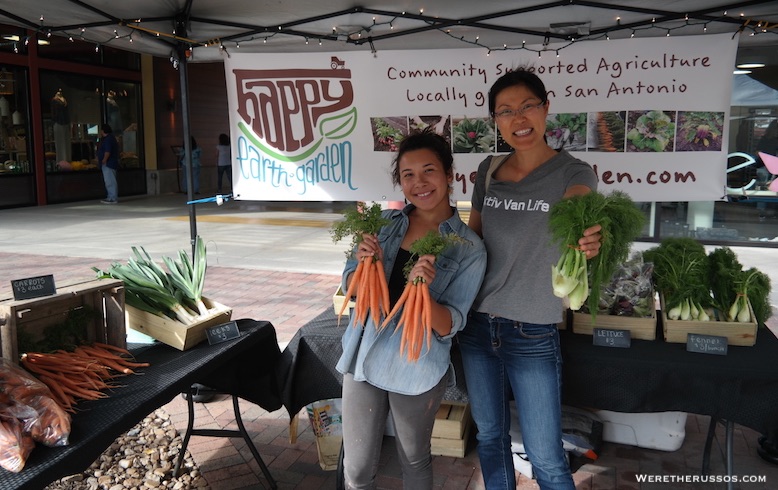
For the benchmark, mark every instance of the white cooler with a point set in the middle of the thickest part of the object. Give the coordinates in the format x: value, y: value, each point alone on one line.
x: 660, y: 430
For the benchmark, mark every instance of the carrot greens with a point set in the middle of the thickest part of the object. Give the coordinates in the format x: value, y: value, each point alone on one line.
x: 621, y: 222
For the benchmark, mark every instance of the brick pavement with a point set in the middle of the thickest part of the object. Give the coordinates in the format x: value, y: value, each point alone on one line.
x: 289, y: 300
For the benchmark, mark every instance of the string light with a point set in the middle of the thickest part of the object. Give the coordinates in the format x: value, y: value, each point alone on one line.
x: 755, y: 27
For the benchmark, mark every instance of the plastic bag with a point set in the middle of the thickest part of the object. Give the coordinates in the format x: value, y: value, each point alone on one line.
x: 326, y: 421
x: 27, y: 399
x: 15, y: 444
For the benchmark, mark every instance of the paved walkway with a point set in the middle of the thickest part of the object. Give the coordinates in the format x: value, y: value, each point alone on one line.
x: 276, y: 262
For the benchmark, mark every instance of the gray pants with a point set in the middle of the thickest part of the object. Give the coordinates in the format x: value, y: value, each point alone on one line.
x: 365, y: 409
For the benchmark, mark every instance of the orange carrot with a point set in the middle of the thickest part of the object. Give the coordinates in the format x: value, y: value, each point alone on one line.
x: 376, y: 294
x: 427, y: 310
x: 384, y: 285
x: 400, y: 301
x: 114, y: 348
x: 352, y: 287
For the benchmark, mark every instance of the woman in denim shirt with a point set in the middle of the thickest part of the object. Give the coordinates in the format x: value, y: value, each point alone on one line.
x: 377, y: 377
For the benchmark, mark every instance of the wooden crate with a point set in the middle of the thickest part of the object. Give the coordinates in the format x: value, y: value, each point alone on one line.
x: 451, y: 430
x: 737, y: 333
x: 337, y: 302
x: 639, y: 328
x: 34, y: 316
x: 173, y: 332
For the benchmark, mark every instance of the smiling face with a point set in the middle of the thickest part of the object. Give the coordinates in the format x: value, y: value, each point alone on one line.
x: 423, y: 179
x: 523, y: 131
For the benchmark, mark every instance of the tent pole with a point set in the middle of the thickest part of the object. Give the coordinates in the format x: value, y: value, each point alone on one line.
x: 184, y: 80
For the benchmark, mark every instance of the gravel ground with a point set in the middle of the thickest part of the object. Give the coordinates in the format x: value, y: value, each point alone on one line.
x: 143, y: 458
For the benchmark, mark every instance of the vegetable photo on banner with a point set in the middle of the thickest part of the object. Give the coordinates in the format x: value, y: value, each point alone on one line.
x: 416, y: 317
x: 369, y: 284
x: 575, y: 279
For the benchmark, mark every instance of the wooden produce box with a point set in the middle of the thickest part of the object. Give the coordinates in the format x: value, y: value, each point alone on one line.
x: 34, y: 316
x: 737, y: 333
x: 173, y: 332
x: 451, y: 430
x: 641, y: 328
x: 337, y: 302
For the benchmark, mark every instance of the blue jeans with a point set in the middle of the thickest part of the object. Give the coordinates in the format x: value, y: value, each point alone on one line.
x: 111, y: 186
x: 195, y: 179
x: 500, y: 355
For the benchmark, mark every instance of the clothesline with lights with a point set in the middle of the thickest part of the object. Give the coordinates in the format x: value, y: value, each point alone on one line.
x: 364, y: 34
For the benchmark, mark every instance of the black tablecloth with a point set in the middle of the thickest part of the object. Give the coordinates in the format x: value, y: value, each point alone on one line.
x: 307, y: 369
x: 244, y: 366
x: 650, y: 376
x: 657, y: 376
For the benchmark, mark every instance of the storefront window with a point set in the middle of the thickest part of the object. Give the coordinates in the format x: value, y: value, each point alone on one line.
x: 15, y: 152
x: 74, y: 108
x: 121, y: 107
x: 17, y: 180
x: 71, y: 119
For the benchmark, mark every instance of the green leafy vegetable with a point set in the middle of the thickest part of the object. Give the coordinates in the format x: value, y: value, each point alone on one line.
x: 176, y: 293
x: 473, y: 136
x: 652, y: 132
x: 621, y: 222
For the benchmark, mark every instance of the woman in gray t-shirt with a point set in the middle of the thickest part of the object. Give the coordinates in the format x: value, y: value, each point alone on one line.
x: 511, y: 336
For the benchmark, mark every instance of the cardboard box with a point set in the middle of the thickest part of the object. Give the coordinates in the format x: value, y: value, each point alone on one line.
x: 638, y: 327
x: 173, y: 332
x: 337, y: 302
x: 33, y: 316
x: 737, y: 333
x: 451, y: 431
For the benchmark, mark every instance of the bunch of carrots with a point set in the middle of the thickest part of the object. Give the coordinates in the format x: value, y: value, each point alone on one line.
x: 81, y: 374
x: 415, y: 301
x: 28, y: 414
x: 368, y: 283
x: 371, y: 289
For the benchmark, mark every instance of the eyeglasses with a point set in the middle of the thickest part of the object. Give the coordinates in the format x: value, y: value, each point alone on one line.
x: 525, y: 111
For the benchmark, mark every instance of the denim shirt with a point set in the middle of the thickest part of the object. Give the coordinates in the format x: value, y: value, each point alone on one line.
x: 374, y: 356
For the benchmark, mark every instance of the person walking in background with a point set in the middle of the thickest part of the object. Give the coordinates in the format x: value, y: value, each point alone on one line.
x: 223, y: 161
x: 511, y: 342
x: 108, y: 156
x: 377, y: 378
x: 196, y: 152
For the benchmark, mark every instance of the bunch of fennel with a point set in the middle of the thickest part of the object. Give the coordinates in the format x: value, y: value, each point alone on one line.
x: 681, y: 274
x: 573, y: 278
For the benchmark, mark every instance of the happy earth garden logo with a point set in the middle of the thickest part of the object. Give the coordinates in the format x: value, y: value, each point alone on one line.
x: 294, y: 125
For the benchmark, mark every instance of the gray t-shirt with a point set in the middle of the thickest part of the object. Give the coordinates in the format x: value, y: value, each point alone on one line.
x: 519, y: 248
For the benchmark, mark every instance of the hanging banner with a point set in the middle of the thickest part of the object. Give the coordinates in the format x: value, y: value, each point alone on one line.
x: 649, y: 115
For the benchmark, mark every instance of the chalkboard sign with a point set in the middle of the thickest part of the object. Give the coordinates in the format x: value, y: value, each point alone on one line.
x: 33, y: 287
x: 607, y: 337
x: 222, y: 333
x: 706, y: 344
